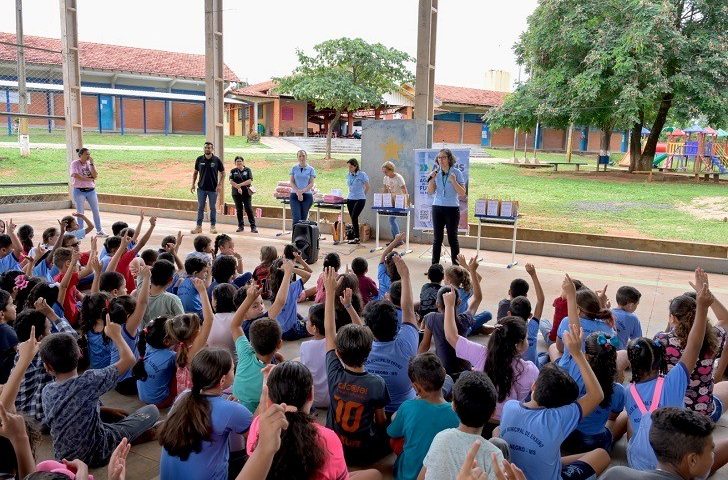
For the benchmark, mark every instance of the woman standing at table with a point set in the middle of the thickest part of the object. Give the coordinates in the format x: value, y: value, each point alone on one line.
x: 358, y: 182
x: 447, y: 183
x: 394, y: 184
x: 83, y: 179
x: 241, y: 179
x: 302, y: 178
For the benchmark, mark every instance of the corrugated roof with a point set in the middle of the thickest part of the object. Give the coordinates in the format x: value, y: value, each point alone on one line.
x: 114, y: 58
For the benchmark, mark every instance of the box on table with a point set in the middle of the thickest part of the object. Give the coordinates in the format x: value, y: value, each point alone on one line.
x: 401, y: 201
x: 378, y: 199
x: 492, y: 208
x: 387, y: 200
x: 480, y: 207
x: 508, y: 208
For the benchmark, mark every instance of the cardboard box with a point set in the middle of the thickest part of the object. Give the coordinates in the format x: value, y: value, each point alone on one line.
x: 387, y: 200
x: 481, y: 207
x: 401, y: 201
x: 378, y: 199
x: 508, y: 209
x: 493, y: 208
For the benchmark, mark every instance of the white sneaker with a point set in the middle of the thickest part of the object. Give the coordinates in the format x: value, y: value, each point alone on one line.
x: 102, y: 234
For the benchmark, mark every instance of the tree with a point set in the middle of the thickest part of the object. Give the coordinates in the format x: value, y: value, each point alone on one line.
x: 345, y: 75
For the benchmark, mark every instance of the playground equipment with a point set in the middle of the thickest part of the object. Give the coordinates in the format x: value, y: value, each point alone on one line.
x: 696, y: 150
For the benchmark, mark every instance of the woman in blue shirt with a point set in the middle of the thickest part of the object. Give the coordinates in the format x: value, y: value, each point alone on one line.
x: 358, y: 182
x: 302, y: 178
x: 447, y: 184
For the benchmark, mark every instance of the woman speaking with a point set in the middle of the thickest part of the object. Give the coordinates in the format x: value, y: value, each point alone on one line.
x: 83, y: 179
x: 447, y: 183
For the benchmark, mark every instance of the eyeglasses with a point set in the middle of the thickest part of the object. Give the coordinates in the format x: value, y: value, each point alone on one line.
x: 442, y: 157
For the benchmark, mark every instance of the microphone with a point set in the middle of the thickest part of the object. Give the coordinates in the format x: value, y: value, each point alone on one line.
x: 434, y: 172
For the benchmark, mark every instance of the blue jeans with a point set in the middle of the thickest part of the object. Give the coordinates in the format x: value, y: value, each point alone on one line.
x: 480, y: 319
x: 79, y: 198
x: 299, y: 210
x: 211, y: 197
x: 394, y: 226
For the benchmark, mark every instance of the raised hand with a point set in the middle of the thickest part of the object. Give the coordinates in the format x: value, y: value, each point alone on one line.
x: 449, y: 299
x: 530, y: 269
x: 28, y: 348
x: 602, y: 296
x: 508, y: 472
x: 272, y: 422
x: 95, y: 264
x: 12, y: 425
x: 470, y: 469
x: 705, y: 296
x: 111, y: 329
x: 287, y: 267
x: 11, y: 226
x: 145, y: 272
x: 346, y: 298
x: 399, y: 239
x: 473, y: 265
x: 40, y: 250
x: 117, y: 463
x: 573, y: 341
x: 701, y: 278
x: 568, y: 286
x: 42, y: 306
x: 153, y: 221
x: 199, y: 286
x: 253, y: 291
x: 330, y: 282
x: 401, y: 265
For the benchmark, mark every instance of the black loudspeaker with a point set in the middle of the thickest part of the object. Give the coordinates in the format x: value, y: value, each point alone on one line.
x: 305, y: 237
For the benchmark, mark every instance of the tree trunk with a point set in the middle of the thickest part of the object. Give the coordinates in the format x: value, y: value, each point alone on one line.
x: 330, y: 131
x: 635, y: 146
x: 605, y: 140
x: 648, y: 154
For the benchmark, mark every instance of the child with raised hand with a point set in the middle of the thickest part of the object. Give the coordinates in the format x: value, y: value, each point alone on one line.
x: 518, y: 288
x: 66, y: 261
x: 536, y: 429
x: 189, y: 334
x: 71, y: 403
x: 95, y: 345
x: 195, y: 436
x: 318, y: 293
x: 313, y: 355
x: 428, y: 293
x: 286, y: 293
x: 434, y: 323
x: 649, y: 390
x: 561, y: 311
x: 473, y: 402
x: 268, y: 254
x: 683, y: 444
x: 223, y: 304
x: 10, y: 249
x: 418, y: 420
x: 155, y: 370
x: 459, y: 277
x: 124, y: 256
x: 254, y: 354
x: 195, y: 267
x: 357, y: 397
x: 521, y: 307
x: 501, y: 360
x: 162, y: 302
x: 598, y: 430
x: 704, y: 395
x: 386, y: 271
x: 393, y: 348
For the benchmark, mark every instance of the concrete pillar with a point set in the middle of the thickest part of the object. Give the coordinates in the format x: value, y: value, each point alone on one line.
x: 350, y: 124
x: 71, y: 79
x: 462, y: 127
x: 254, y: 124
x: 425, y: 73
x: 214, y: 81
x: 305, y: 119
x: 276, y: 116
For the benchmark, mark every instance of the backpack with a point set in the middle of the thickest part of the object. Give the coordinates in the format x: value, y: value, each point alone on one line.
x: 638, y: 456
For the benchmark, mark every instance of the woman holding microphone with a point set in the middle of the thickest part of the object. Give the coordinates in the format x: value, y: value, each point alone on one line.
x: 446, y: 183
x: 83, y: 179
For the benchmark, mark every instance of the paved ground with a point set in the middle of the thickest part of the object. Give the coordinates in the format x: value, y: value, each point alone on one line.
x: 657, y: 287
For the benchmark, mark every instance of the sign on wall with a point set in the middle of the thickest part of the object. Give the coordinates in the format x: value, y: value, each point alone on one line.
x: 423, y: 165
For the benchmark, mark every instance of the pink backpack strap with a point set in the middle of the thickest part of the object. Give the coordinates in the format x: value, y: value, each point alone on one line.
x: 655, y: 396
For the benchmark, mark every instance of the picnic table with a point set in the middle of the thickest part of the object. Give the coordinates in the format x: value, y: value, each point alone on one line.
x: 556, y: 164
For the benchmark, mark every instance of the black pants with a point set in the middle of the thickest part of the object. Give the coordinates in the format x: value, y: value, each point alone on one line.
x: 355, y: 208
x: 240, y: 202
x: 445, y: 218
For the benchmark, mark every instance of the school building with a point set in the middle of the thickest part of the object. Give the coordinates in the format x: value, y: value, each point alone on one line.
x: 124, y: 89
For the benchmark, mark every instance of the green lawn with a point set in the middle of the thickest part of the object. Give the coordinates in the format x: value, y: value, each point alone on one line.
x: 173, y: 140
x: 550, y: 201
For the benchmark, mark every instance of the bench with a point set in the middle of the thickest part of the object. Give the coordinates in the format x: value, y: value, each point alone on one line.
x: 556, y: 164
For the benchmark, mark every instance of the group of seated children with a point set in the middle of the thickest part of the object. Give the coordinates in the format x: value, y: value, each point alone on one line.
x: 202, y: 337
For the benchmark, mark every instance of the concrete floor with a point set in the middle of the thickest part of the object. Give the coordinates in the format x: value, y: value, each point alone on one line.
x: 657, y: 287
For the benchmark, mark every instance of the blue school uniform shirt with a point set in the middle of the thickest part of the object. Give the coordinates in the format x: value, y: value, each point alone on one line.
x: 105, y: 261
x: 390, y: 361
x: 531, y: 353
x: 131, y: 341
x: 160, y: 367
x: 418, y: 421
x: 288, y: 315
x: 45, y: 271
x: 302, y: 176
x: 673, y: 395
x: 445, y: 194
x: 9, y: 263
x: 589, y: 326
x: 99, y: 352
x: 80, y: 234
x: 211, y: 462
x: 628, y: 326
x: 103, y: 253
x: 356, y: 182
x: 464, y: 300
x: 189, y: 296
x: 385, y: 283
x: 535, y: 435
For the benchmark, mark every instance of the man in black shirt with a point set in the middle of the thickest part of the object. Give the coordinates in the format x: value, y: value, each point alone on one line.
x: 211, y: 174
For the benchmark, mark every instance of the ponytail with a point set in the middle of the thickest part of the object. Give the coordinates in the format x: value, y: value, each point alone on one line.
x: 182, y: 330
x: 601, y: 352
x: 683, y: 308
x: 646, y: 356
x: 219, y: 241
x: 189, y: 423
x: 502, y: 351
x: 588, y: 303
x: 154, y: 334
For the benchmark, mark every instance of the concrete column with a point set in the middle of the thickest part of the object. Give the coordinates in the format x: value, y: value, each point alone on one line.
x: 276, y: 116
x: 425, y: 73
x: 462, y: 127
x: 71, y: 79
x: 214, y: 82
x: 350, y: 124
x: 254, y: 124
x: 305, y: 119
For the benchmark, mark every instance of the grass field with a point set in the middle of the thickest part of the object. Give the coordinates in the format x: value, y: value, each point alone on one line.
x: 173, y: 140
x: 587, y: 203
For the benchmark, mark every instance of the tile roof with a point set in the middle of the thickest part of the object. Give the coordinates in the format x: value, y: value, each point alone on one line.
x: 257, y: 90
x: 114, y: 58
x: 469, y: 96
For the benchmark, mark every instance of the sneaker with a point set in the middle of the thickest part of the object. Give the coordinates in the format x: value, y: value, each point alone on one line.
x: 213, y: 230
x: 240, y: 229
x: 253, y: 230
x: 196, y: 230
x: 102, y: 234
x: 353, y: 242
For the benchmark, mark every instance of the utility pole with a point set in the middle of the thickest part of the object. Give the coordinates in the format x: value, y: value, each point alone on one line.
x: 568, y: 142
x: 23, y: 138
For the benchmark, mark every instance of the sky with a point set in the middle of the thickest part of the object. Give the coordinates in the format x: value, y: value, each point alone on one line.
x: 261, y: 38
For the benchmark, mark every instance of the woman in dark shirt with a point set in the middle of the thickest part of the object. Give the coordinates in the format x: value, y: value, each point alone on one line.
x: 241, y: 179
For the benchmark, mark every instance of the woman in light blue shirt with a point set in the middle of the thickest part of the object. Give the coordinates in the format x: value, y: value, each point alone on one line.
x: 447, y: 184
x: 302, y: 178
x: 358, y: 183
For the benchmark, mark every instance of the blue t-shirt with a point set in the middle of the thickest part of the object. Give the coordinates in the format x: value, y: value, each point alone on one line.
x: 445, y: 194
x: 45, y: 271
x: 535, y: 435
x: 641, y: 456
x: 189, y: 296
x: 418, y: 421
x: 628, y: 326
x: 288, y: 315
x: 131, y: 341
x: 160, y: 367
x: 80, y: 234
x: 356, y: 182
x: 464, y: 300
x: 226, y: 417
x: 105, y: 261
x: 385, y: 283
x: 9, y: 263
x: 302, y: 176
x: 99, y: 352
x: 532, y: 335
x: 390, y: 361
x: 589, y: 326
